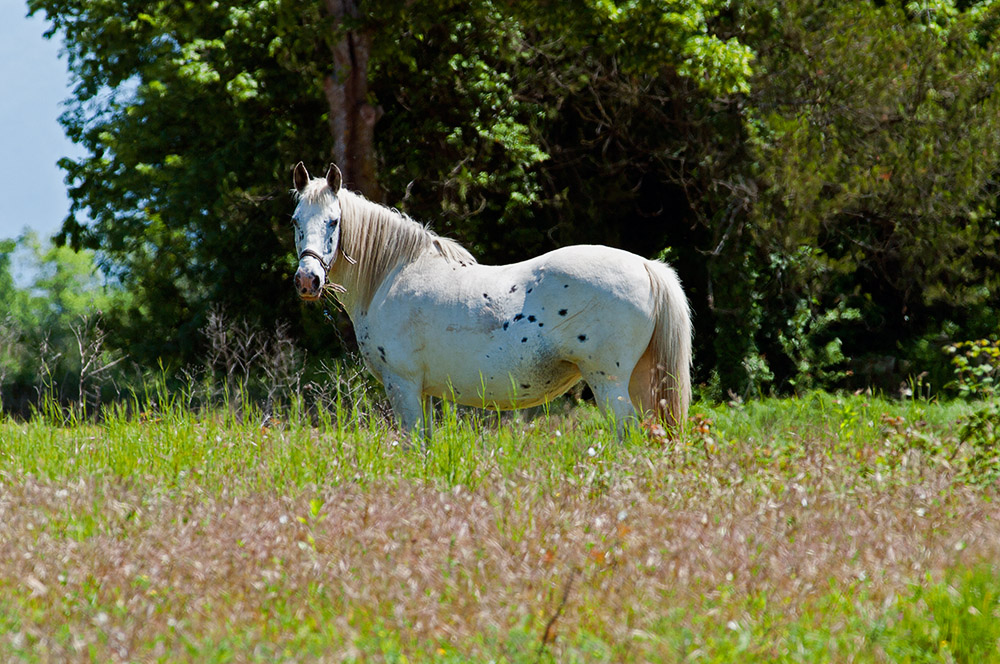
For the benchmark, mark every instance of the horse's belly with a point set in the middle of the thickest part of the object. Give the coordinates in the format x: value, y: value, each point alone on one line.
x: 495, y: 385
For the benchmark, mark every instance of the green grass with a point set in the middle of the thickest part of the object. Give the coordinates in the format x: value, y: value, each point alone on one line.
x: 174, y: 445
x: 821, y: 528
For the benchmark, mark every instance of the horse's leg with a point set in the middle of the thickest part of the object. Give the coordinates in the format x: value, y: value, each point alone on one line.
x: 639, y: 385
x: 613, y: 399
x: 407, y: 403
x: 428, y: 417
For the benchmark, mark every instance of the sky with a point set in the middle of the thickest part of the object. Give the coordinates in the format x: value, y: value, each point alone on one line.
x: 34, y: 83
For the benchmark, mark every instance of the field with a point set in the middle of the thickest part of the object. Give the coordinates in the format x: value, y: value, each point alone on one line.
x: 815, y: 529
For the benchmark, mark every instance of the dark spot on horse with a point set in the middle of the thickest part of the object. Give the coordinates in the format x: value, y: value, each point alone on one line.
x: 486, y: 296
x: 531, y: 319
x: 505, y: 324
x: 381, y: 353
x: 618, y: 364
x: 529, y: 290
x: 565, y: 285
x: 513, y: 289
x: 541, y: 325
x: 518, y: 317
x: 562, y: 312
x: 525, y: 386
x: 523, y: 339
x: 582, y: 337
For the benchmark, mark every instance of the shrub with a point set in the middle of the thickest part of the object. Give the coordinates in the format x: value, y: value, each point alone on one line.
x: 977, y: 366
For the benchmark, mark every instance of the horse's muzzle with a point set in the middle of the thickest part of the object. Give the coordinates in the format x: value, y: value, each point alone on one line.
x: 308, y: 284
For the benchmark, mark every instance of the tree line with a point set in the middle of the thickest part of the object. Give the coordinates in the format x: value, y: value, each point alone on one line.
x: 823, y: 175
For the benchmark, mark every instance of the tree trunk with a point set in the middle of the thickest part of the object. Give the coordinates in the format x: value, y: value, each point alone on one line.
x: 352, y: 118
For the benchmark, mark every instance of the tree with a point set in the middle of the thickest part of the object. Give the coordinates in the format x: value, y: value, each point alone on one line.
x: 822, y: 174
x: 9, y: 331
x: 50, y: 336
x: 352, y: 117
x: 877, y: 143
x: 7, y: 247
x: 190, y: 113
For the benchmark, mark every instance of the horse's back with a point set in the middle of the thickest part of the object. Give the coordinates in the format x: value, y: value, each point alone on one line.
x: 595, y: 291
x: 607, y: 271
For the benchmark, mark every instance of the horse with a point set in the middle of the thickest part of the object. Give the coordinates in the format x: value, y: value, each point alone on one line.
x: 431, y: 321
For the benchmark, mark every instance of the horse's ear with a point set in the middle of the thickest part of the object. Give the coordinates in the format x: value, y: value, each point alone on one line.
x: 300, y: 177
x: 334, y: 178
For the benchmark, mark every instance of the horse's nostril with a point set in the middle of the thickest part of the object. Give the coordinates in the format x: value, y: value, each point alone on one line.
x: 308, y: 284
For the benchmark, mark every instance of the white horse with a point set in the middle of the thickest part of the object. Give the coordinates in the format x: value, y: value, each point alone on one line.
x: 432, y: 322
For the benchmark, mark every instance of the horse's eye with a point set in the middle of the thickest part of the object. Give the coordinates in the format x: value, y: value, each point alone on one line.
x: 333, y: 222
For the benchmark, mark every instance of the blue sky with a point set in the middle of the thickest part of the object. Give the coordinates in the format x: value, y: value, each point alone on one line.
x: 35, y: 83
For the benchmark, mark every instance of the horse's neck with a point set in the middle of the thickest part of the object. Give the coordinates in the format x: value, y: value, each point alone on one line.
x: 388, y: 240
x: 353, y: 299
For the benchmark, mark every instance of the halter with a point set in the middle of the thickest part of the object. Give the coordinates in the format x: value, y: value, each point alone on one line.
x: 326, y: 267
x: 312, y: 254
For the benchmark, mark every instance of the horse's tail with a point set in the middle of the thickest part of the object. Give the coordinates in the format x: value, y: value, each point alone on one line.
x: 670, y: 346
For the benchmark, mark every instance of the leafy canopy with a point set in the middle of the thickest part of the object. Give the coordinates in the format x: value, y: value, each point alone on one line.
x: 823, y: 174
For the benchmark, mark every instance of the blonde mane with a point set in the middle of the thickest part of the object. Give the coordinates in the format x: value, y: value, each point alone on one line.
x: 379, y: 239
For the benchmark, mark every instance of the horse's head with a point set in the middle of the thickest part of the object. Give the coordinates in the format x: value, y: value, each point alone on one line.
x: 317, y: 228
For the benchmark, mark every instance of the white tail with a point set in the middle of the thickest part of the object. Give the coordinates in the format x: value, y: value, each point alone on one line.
x: 670, y: 347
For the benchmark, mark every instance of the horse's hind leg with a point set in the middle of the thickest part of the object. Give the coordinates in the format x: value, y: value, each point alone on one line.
x: 427, y: 417
x: 640, y: 384
x: 613, y: 399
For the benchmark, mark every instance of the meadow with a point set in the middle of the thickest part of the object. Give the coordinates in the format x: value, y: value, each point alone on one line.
x: 821, y: 528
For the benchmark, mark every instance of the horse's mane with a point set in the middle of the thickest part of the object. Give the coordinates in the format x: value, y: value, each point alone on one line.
x: 380, y: 238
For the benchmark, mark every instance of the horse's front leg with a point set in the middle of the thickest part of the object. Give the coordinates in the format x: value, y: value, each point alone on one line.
x: 408, y: 403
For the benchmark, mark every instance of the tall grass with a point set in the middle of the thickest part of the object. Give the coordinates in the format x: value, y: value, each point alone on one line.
x: 823, y: 528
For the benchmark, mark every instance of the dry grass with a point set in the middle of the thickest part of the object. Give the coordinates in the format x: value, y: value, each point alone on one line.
x: 788, y: 548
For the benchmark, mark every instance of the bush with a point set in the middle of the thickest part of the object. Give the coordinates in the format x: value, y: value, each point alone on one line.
x: 977, y: 367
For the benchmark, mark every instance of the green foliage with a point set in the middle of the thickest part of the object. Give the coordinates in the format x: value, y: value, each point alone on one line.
x: 819, y: 359
x: 461, y: 130
x: 8, y: 331
x: 190, y: 113
x: 7, y: 248
x: 980, y: 434
x: 824, y: 174
x: 874, y: 139
x: 977, y: 367
x: 48, y: 326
